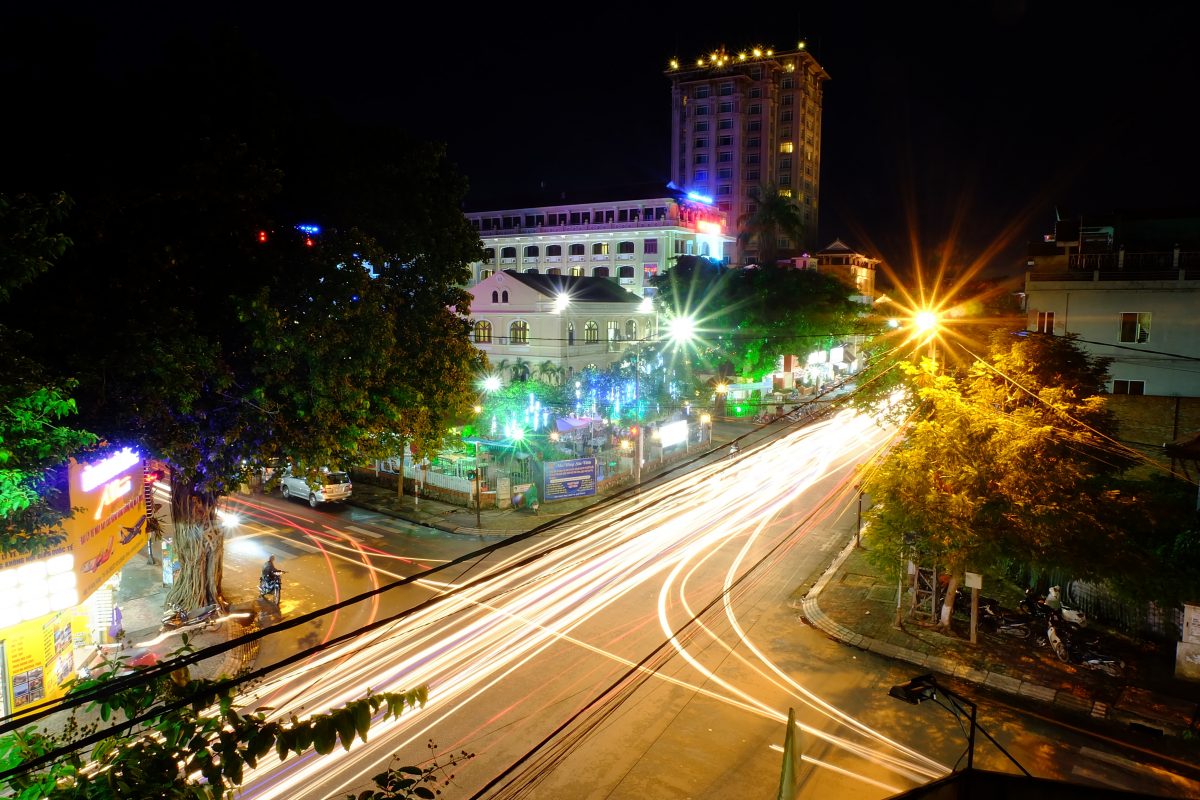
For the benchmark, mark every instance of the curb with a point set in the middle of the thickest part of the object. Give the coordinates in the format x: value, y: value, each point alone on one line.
x: 814, y: 616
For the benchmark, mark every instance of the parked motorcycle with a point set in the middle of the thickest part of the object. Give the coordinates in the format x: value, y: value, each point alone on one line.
x: 1073, y: 650
x: 177, y: 617
x: 1068, y: 612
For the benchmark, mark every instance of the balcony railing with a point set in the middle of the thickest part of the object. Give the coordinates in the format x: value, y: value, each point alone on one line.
x: 600, y: 257
x: 554, y: 259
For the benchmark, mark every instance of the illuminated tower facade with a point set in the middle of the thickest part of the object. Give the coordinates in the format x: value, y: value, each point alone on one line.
x: 746, y: 119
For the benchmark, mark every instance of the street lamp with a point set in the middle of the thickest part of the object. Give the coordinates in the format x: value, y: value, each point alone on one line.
x: 706, y: 424
x: 926, y: 687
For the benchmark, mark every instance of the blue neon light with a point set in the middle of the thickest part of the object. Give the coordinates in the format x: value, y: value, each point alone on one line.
x: 699, y: 197
x: 311, y: 230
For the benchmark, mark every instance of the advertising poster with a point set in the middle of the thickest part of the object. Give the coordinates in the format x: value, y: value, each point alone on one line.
x: 575, y: 477
x: 112, y: 528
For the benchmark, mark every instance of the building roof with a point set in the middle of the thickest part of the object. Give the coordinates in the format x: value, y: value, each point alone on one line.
x: 579, y: 289
x: 547, y: 198
x: 837, y: 246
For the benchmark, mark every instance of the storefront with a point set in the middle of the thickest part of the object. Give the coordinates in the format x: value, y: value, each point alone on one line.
x: 60, y: 601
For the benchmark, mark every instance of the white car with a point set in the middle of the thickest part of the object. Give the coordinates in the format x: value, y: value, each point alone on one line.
x: 334, y: 488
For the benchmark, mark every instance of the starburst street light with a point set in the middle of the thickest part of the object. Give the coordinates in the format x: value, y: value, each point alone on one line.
x: 926, y: 321
x: 681, y: 329
x: 491, y: 383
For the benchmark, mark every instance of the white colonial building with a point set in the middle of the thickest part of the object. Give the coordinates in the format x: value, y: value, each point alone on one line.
x: 532, y: 323
x: 627, y: 237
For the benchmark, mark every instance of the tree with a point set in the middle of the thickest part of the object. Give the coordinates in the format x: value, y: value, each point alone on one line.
x: 33, y: 443
x: 775, y: 215
x: 208, y: 330
x: 1001, y: 465
x: 188, y: 740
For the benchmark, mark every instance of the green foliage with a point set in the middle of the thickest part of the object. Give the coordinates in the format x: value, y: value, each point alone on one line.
x: 28, y: 246
x: 776, y: 215
x: 402, y: 783
x: 199, y: 750
x: 991, y: 471
x: 758, y: 313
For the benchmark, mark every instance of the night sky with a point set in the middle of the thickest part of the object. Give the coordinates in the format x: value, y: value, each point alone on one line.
x: 961, y: 126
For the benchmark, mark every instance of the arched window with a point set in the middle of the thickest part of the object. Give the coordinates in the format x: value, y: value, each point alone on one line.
x: 625, y: 271
x: 600, y: 272
x: 576, y: 272
x: 495, y: 297
x: 570, y: 333
x: 614, y: 330
x: 531, y: 271
x: 508, y: 252
x: 504, y: 296
x: 705, y: 249
x: 554, y: 271
x: 576, y: 250
x: 489, y: 253
x: 631, y: 329
x: 532, y: 251
x: 600, y: 249
x: 483, y: 332
x: 518, y: 332
x: 591, y: 332
x: 554, y: 250
x: 484, y: 274
x: 624, y: 247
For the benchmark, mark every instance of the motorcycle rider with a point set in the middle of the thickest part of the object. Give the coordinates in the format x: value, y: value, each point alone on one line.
x: 270, y: 575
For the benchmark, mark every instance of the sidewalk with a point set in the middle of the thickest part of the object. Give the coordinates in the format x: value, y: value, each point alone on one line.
x: 853, y: 603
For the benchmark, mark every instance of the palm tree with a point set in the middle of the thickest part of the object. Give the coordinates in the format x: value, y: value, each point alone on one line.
x: 520, y: 370
x: 548, y: 372
x: 776, y: 215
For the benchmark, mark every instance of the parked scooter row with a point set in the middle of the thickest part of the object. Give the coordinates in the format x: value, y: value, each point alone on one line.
x: 1072, y: 648
x: 177, y: 617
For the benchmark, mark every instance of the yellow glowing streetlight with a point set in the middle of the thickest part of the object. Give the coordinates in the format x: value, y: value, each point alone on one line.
x: 478, y: 409
x: 925, y: 321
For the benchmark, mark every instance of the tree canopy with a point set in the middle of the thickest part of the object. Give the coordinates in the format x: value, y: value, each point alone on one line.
x: 775, y: 215
x: 205, y: 327
x: 749, y: 317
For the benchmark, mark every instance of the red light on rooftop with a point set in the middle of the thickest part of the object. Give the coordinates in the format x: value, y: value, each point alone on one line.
x: 308, y: 241
x: 262, y: 236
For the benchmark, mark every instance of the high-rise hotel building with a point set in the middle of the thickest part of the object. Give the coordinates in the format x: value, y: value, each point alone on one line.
x: 742, y: 120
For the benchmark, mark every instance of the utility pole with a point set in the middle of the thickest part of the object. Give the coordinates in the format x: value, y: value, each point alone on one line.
x: 478, y: 496
x: 858, y: 524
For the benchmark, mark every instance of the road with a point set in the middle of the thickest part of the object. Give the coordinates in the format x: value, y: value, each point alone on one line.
x: 649, y: 650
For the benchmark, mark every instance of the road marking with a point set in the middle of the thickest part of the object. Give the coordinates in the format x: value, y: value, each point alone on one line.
x: 364, y: 531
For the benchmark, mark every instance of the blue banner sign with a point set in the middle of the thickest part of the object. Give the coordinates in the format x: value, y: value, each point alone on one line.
x: 572, y: 478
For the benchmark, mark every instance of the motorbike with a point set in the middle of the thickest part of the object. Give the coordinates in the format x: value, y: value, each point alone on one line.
x: 993, y: 620
x: 271, y: 586
x: 1085, y: 654
x: 1068, y: 612
x: 177, y: 617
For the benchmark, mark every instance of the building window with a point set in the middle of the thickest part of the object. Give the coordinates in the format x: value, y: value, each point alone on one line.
x: 725, y: 156
x: 508, y: 252
x: 756, y: 92
x: 750, y: 207
x: 785, y: 163
x: 554, y: 250
x: 701, y: 111
x: 753, y: 143
x: 518, y: 332
x: 754, y: 126
x: 752, y: 175
x: 725, y: 125
x: 532, y: 271
x: 756, y: 74
x: 785, y: 115
x: 576, y: 272
x: 484, y: 274
x: 624, y: 247
x: 752, y: 158
x: 679, y: 249
x: 787, y: 100
x: 495, y: 297
x: 725, y: 173
x: 756, y: 108
x: 625, y: 271
x: 600, y: 272
x: 700, y: 175
x: 785, y: 192
x: 1045, y: 322
x: 591, y: 332
x: 504, y: 296
x: 725, y: 108
x: 483, y: 332
x: 701, y: 158
x: 724, y: 206
x: 787, y: 82
x: 725, y: 141
x: 631, y: 332
x: 575, y: 249
x: 489, y: 254
x: 570, y: 333
x: 724, y: 188
x: 554, y: 271
x: 701, y: 126
x: 785, y: 179
x: 700, y: 92
x: 786, y: 147
x: 650, y: 246
x: 532, y: 251
x: 1129, y: 387
x: 600, y: 249
x: 700, y: 144
x: 1135, y: 327
x: 726, y: 89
